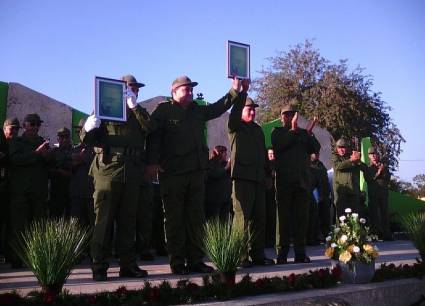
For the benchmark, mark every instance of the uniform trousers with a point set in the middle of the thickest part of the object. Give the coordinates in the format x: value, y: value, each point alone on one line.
x: 293, y: 213
x: 249, y: 205
x: 117, y: 201
x: 183, y: 199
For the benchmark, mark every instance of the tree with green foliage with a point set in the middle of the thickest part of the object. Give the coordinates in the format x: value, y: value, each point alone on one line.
x: 343, y: 100
x: 419, y: 183
x: 401, y: 186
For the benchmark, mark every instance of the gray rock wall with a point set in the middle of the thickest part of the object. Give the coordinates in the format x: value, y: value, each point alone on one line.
x: 22, y: 100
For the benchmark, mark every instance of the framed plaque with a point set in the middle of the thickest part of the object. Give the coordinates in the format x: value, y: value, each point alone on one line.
x: 110, y: 101
x: 238, y: 60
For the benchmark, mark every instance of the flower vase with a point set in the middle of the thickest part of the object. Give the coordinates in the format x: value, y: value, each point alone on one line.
x: 355, y: 272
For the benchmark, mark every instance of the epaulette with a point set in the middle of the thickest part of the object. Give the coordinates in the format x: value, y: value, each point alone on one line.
x: 165, y: 101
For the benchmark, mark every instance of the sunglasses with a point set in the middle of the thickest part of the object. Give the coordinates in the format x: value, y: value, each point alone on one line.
x: 34, y: 123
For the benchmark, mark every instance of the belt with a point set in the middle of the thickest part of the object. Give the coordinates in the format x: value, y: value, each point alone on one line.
x: 128, y: 151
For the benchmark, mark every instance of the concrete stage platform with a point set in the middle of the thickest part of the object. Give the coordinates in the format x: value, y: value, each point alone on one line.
x: 399, y: 292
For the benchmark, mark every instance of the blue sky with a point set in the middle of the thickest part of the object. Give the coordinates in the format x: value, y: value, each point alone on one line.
x: 57, y: 47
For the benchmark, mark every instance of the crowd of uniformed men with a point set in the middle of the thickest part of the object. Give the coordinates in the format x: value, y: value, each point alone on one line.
x: 130, y: 180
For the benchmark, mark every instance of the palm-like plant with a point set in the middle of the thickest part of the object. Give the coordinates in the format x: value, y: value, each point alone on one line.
x: 414, y: 224
x: 50, y: 248
x: 225, y: 244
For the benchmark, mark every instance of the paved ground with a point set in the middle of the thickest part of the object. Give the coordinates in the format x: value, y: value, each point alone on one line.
x: 80, y: 280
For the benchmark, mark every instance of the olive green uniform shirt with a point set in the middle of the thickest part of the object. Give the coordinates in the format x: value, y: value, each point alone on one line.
x: 346, y: 176
x: 292, y: 149
x: 28, y: 170
x: 120, y: 147
x: 248, y: 150
x: 178, y: 144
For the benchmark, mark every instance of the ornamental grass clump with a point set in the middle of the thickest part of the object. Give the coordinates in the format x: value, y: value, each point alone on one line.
x: 414, y: 224
x: 350, y: 241
x: 50, y: 248
x: 225, y: 244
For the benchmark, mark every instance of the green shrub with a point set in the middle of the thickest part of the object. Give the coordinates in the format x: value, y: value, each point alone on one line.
x: 414, y: 224
x: 225, y: 244
x: 50, y: 248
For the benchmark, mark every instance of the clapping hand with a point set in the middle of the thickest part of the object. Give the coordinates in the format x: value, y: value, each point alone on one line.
x: 43, y: 147
x: 355, y: 156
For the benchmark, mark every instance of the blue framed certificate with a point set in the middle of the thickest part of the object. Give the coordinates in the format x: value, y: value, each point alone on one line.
x: 110, y: 101
x: 238, y: 60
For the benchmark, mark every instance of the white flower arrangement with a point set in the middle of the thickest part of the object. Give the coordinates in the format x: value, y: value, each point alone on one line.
x: 350, y: 240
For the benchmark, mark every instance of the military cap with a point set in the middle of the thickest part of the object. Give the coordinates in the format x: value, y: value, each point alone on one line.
x: 183, y: 80
x: 64, y: 132
x: 288, y: 108
x: 131, y: 81
x: 250, y: 102
x: 371, y: 150
x: 12, y: 122
x: 342, y: 142
x: 33, y: 118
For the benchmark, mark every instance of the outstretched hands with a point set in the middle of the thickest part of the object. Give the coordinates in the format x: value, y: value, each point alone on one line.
x: 355, y: 156
x: 240, y: 85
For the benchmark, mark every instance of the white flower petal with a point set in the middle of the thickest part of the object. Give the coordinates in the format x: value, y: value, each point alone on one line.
x: 348, y: 210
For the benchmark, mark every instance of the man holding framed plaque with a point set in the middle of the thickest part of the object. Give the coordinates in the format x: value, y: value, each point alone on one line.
x: 251, y: 173
x: 119, y: 144
x: 179, y: 153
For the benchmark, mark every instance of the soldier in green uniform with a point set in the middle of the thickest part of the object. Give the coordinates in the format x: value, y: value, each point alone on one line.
x: 29, y: 158
x: 218, y: 186
x: 144, y: 222
x: 346, y: 178
x: 292, y: 148
x: 324, y: 193
x: 10, y: 130
x: 178, y: 150
x: 60, y: 175
x: 81, y: 184
x: 116, y: 170
x: 250, y: 172
x: 271, y: 209
x: 378, y: 178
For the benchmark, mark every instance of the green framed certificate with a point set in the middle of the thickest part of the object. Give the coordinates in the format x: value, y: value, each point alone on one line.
x: 110, y: 101
x: 238, y: 60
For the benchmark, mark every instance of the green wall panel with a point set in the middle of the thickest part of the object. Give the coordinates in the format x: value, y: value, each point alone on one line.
x: 76, y: 117
x: 4, y: 88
